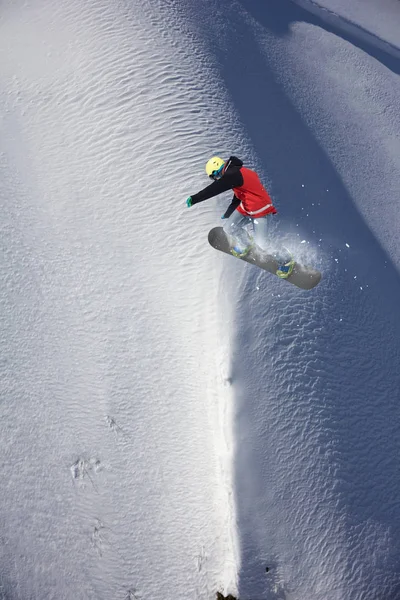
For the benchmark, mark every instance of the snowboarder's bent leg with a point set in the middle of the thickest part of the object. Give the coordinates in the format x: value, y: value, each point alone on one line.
x: 235, y: 230
x: 260, y: 227
x: 282, y: 254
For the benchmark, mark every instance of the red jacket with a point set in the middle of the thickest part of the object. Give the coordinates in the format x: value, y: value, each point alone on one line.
x: 254, y: 198
x: 250, y: 199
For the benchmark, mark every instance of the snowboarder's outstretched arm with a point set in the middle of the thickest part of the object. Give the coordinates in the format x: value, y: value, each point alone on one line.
x: 227, y: 182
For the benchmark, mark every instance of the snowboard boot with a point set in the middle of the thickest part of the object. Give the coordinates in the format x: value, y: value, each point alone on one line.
x: 285, y: 270
x: 240, y: 252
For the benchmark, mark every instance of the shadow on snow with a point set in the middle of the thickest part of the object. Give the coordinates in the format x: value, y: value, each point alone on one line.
x: 330, y: 357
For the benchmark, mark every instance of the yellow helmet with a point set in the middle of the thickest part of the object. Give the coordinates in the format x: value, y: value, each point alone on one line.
x: 214, y: 166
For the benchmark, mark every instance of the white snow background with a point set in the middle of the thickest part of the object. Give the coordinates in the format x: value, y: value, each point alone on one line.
x: 175, y: 422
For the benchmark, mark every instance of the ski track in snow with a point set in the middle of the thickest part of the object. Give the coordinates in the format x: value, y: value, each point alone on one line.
x: 381, y: 29
x: 172, y: 422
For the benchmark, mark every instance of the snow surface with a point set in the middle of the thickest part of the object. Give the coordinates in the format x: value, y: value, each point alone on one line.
x: 174, y: 422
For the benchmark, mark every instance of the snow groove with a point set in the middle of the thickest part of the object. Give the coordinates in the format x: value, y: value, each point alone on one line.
x: 348, y: 26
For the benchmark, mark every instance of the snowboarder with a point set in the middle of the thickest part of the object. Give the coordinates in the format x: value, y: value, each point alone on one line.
x: 250, y: 204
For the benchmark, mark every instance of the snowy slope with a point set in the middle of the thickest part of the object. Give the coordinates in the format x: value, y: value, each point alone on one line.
x: 316, y: 376
x: 174, y: 422
x: 317, y: 388
x: 113, y: 354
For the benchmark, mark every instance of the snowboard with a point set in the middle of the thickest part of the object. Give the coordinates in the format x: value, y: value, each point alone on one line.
x: 302, y: 277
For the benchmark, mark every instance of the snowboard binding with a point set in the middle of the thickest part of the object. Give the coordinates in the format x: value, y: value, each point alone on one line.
x: 285, y: 270
x: 240, y: 252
